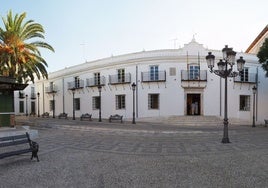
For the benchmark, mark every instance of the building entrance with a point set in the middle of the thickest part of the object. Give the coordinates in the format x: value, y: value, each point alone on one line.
x: 193, y: 104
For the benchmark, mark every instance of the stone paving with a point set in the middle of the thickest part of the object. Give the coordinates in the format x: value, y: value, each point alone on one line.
x: 83, y: 154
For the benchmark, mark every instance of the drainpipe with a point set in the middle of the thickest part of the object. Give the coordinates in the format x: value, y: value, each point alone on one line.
x: 43, y: 91
x: 63, y: 98
x: 137, y: 102
x: 220, y: 96
x: 257, y: 81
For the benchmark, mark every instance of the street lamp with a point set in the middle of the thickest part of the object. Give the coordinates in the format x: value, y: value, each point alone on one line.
x: 26, y: 105
x: 254, y: 89
x: 73, y: 91
x: 133, y: 88
x: 225, y: 70
x: 99, y: 88
x: 38, y: 110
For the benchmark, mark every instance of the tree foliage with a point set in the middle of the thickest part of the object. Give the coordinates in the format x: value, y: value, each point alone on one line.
x: 263, y: 56
x: 19, y: 49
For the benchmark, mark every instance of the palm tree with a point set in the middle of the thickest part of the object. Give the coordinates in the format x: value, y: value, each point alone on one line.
x: 19, y: 50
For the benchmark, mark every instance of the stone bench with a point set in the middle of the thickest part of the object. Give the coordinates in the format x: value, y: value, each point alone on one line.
x: 116, y: 117
x: 46, y: 114
x: 32, y: 114
x: 63, y: 115
x: 86, y: 117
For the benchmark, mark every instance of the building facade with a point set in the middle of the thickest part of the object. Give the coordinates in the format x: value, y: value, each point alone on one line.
x: 172, y: 82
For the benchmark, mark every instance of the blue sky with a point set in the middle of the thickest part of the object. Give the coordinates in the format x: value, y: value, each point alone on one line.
x: 81, y: 30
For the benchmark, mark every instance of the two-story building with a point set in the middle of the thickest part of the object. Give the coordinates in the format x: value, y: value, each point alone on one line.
x: 168, y: 83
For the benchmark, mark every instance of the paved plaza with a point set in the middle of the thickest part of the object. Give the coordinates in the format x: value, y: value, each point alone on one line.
x: 94, y: 154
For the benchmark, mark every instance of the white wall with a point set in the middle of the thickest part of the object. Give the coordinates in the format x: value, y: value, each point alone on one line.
x: 173, y: 92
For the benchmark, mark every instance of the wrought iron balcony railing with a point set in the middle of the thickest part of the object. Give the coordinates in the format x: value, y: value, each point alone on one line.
x: 76, y: 84
x: 91, y: 82
x: 33, y: 96
x: 187, y: 75
x: 120, y: 79
x: 246, y: 78
x: 51, y: 89
x: 21, y: 95
x: 159, y: 76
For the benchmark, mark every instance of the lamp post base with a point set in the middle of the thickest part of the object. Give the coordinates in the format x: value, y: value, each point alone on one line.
x: 225, y: 140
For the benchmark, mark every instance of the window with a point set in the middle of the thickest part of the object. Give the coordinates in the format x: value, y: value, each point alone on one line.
x: 77, y: 103
x: 194, y: 72
x: 244, y: 103
x: 96, y: 103
x: 153, y: 101
x: 244, y: 75
x: 32, y: 92
x: 154, y: 72
x: 172, y: 71
x: 121, y: 75
x: 97, y: 78
x: 76, y: 82
x: 120, y: 102
x: 21, y: 106
x: 51, y: 105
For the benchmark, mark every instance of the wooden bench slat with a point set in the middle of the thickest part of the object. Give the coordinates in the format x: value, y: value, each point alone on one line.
x: 11, y: 153
x: 15, y: 137
x: 16, y: 142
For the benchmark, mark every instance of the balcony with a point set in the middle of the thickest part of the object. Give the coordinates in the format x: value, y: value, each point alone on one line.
x: 246, y: 78
x: 194, y: 79
x: 51, y: 89
x: 187, y: 75
x: 159, y: 76
x: 120, y: 79
x: 92, y: 82
x: 76, y: 85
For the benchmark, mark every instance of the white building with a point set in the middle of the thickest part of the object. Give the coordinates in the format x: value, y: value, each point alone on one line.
x: 168, y: 83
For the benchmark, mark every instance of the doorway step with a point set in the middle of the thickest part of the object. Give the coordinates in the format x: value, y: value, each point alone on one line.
x: 193, y: 120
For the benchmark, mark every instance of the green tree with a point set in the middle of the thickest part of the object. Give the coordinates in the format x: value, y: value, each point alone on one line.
x: 19, y: 48
x: 263, y: 56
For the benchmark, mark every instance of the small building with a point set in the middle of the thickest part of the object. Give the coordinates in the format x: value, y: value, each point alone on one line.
x: 7, y: 87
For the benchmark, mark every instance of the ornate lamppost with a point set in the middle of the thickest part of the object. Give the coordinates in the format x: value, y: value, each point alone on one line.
x: 26, y: 105
x: 133, y: 89
x: 38, y: 109
x: 99, y: 88
x: 254, y: 89
x: 225, y: 70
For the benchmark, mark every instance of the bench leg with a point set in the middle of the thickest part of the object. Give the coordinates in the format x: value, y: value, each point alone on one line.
x: 35, y: 155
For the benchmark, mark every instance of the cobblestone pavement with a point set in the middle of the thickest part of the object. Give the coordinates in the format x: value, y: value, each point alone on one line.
x: 142, y: 155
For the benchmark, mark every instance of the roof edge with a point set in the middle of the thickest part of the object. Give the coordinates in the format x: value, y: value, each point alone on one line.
x: 257, y: 38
